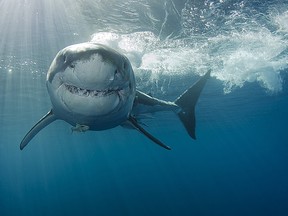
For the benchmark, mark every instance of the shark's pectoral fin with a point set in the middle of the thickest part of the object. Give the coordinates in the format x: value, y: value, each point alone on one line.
x: 135, y: 124
x: 43, y: 122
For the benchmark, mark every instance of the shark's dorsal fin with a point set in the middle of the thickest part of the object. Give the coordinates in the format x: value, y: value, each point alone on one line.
x: 137, y: 126
x: 43, y: 122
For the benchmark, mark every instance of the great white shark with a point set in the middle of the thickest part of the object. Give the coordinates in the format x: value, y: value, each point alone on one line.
x: 92, y: 87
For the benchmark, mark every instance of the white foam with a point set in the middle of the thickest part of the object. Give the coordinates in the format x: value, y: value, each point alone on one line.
x: 147, y: 52
x: 236, y: 57
x: 281, y: 21
x: 249, y: 57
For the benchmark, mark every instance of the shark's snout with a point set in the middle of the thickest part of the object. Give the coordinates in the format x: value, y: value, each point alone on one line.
x: 92, y: 74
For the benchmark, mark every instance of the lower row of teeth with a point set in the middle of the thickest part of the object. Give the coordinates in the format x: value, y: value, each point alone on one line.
x: 85, y: 92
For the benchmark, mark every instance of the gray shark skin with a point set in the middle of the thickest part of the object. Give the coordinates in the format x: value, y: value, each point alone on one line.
x: 92, y: 87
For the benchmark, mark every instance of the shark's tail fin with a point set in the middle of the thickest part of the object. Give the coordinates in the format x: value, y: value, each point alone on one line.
x: 187, y: 102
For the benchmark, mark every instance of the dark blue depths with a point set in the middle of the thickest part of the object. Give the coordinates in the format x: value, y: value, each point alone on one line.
x: 238, y: 165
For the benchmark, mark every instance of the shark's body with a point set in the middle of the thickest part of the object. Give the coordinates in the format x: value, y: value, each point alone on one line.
x: 92, y: 87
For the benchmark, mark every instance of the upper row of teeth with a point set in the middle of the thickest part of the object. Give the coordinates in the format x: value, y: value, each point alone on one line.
x: 87, y: 92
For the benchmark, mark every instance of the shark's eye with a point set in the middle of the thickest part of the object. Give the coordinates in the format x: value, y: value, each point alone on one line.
x: 72, y: 66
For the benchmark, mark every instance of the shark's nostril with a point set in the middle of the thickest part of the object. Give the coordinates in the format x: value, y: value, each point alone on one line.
x: 64, y: 58
x: 125, y: 65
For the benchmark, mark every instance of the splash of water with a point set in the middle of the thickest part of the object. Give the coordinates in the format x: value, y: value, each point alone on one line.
x: 252, y: 54
x: 248, y: 57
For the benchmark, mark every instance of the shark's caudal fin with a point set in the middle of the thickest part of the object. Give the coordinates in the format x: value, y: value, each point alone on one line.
x: 187, y: 102
x: 43, y: 122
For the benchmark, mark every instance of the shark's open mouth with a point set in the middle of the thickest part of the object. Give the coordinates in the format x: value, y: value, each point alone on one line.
x: 92, y: 93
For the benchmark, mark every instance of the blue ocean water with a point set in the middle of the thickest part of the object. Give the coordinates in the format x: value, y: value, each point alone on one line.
x: 237, y: 166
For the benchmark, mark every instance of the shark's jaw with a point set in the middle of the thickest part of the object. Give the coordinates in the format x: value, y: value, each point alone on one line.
x: 90, y: 93
x: 89, y: 82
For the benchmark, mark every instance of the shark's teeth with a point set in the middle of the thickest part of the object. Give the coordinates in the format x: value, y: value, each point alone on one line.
x: 91, y: 93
